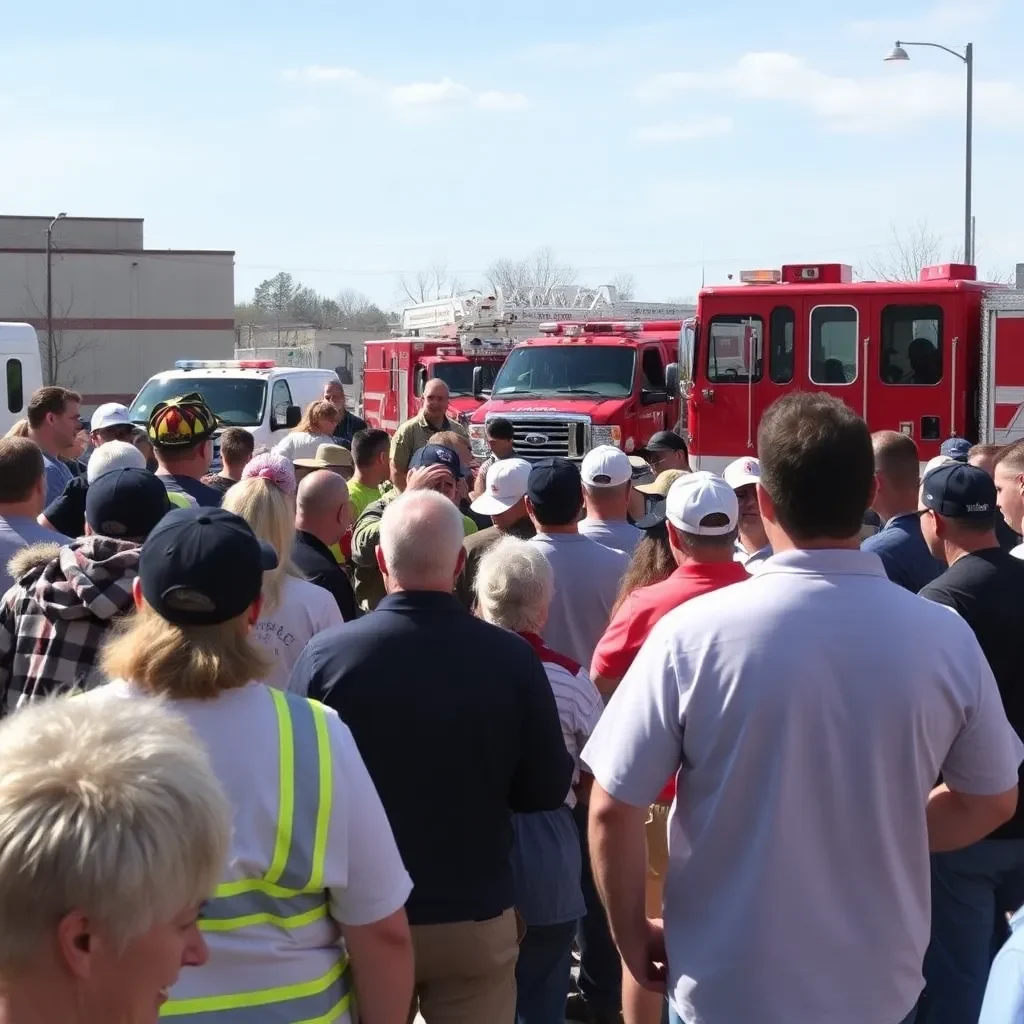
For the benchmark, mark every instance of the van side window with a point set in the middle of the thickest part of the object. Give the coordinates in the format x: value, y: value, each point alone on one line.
x: 734, y: 349
x: 781, y: 326
x: 911, y: 345
x: 280, y: 399
x: 652, y: 370
x: 15, y: 386
x: 833, y: 345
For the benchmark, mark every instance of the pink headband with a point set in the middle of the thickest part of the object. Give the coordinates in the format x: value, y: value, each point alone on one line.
x: 274, y: 469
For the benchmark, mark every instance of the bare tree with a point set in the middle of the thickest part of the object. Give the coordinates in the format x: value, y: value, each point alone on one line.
x: 433, y: 283
x: 548, y: 273
x: 625, y: 287
x: 62, y: 346
x: 531, y: 280
x: 909, y: 252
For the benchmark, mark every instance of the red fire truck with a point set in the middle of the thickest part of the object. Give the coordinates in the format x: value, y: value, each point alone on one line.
x: 585, y: 384
x: 936, y: 358
x: 396, y: 371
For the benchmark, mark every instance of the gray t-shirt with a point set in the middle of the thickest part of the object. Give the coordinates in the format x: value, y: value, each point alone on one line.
x: 58, y: 476
x: 806, y: 715
x: 17, y: 532
x: 619, y: 536
x: 587, y: 577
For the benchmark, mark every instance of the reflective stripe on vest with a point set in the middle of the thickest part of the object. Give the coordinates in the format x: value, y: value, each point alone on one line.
x: 180, y: 500
x: 291, y: 894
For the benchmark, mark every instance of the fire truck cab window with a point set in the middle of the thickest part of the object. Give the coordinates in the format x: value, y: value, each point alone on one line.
x: 911, y: 345
x: 652, y: 369
x: 781, y: 327
x: 734, y: 349
x: 420, y: 381
x: 833, y: 345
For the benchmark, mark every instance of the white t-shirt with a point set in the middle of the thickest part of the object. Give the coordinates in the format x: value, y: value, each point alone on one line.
x: 806, y: 714
x: 300, y: 445
x: 303, y: 611
x: 1018, y: 551
x: 365, y: 878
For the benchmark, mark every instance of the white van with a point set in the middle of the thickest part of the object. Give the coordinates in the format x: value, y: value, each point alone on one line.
x: 23, y: 373
x: 267, y: 399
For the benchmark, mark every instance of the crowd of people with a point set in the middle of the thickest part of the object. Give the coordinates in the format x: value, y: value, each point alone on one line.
x: 361, y: 727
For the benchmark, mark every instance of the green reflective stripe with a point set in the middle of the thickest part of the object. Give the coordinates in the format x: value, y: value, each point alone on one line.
x: 227, y: 914
x: 310, y: 1000
x: 286, y: 786
x: 334, y: 1013
x: 228, y: 889
x: 323, y: 813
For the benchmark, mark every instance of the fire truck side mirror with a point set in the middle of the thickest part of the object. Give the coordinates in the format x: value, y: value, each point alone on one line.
x: 478, y: 381
x: 672, y: 380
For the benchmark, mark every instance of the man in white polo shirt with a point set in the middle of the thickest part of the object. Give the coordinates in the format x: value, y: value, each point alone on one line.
x: 806, y: 715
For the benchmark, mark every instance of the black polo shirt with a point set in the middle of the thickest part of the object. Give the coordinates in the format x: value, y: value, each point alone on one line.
x: 313, y: 558
x: 457, y: 724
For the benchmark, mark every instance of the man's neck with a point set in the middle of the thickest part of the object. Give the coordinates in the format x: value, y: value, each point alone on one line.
x: 596, y: 514
x: 752, y: 542
x: 230, y: 473
x: 956, y: 549
x: 436, y: 423
x: 325, y: 537
x: 556, y: 530
x: 358, y: 478
x: 25, y: 509
x: 888, y: 511
x: 186, y: 469
x: 45, y: 444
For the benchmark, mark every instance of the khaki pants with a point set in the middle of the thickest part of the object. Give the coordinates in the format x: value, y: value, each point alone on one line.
x: 466, y: 971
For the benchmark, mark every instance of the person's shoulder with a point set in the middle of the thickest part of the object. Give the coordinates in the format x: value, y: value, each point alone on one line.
x: 477, y: 542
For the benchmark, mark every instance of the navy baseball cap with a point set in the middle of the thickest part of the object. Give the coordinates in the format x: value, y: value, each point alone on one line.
x: 957, y: 491
x: 955, y: 448
x: 555, y: 489
x: 203, y: 566
x: 126, y: 503
x: 437, y: 455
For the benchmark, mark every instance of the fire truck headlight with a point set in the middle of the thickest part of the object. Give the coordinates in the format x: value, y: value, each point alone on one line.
x: 478, y: 440
x: 606, y: 435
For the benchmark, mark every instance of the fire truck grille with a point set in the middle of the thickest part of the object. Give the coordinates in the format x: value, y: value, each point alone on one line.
x: 541, y: 439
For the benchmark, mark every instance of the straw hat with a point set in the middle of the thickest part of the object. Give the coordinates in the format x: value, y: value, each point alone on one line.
x: 328, y: 456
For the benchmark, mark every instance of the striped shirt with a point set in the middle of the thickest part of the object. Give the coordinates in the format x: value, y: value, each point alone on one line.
x: 576, y: 697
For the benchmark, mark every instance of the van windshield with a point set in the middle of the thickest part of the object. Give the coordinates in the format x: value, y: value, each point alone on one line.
x: 236, y: 402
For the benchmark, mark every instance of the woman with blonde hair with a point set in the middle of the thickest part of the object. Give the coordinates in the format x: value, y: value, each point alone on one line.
x: 18, y: 429
x: 307, y: 921
x: 294, y: 610
x: 314, y: 429
x: 115, y: 831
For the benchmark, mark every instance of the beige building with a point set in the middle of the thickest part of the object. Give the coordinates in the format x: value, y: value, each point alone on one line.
x: 120, y: 312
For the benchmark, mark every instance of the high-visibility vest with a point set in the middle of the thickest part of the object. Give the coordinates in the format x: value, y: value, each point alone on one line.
x: 290, y: 894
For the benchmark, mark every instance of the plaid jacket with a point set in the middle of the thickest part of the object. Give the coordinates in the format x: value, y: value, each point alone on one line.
x: 54, y: 620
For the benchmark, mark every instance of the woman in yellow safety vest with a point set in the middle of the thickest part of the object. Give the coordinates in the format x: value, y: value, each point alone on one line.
x: 308, y: 921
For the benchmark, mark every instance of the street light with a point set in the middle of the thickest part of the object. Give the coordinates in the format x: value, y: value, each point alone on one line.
x: 49, y: 283
x: 899, y: 53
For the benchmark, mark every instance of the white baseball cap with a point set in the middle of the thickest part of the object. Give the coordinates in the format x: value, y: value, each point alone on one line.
x: 606, y: 466
x: 110, y: 414
x: 742, y: 473
x: 113, y: 455
x: 694, y: 497
x: 506, y: 486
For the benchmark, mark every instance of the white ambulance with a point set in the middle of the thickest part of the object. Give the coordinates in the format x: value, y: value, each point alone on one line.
x: 19, y: 350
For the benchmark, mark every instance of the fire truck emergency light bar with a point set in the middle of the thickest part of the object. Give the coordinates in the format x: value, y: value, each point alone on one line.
x: 224, y: 364
x: 571, y: 330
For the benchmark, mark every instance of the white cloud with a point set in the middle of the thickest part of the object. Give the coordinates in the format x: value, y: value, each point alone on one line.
x: 685, y: 131
x: 428, y: 94
x: 502, y: 101
x: 894, y: 98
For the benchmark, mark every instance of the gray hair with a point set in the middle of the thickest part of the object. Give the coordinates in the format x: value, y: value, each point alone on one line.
x: 514, y: 586
x: 421, y: 536
x: 108, y: 806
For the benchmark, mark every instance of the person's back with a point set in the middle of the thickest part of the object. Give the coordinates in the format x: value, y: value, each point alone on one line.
x: 607, y: 476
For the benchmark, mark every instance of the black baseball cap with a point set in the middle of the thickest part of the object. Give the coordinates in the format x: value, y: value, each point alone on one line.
x: 555, y: 489
x: 665, y: 441
x: 957, y: 491
x: 437, y: 455
x: 656, y: 516
x: 126, y: 503
x: 203, y: 566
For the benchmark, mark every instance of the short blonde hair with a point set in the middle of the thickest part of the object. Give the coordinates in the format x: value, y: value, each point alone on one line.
x: 109, y: 806
x: 197, y: 662
x: 515, y: 585
x: 270, y: 514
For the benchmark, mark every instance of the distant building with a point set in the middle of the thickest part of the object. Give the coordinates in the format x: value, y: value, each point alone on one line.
x: 121, y: 312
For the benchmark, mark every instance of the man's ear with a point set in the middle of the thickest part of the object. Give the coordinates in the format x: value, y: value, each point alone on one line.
x: 75, y: 942
x: 137, y: 592
x: 765, y: 505
x: 381, y: 564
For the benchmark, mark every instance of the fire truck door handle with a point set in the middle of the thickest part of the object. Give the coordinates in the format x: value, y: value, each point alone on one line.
x: 708, y: 394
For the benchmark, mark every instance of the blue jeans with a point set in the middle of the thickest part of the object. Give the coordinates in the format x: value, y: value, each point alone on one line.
x: 543, y: 973
x: 972, y: 891
x: 600, y: 981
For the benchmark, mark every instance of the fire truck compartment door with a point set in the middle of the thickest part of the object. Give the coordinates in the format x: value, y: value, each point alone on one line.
x: 403, y: 395
x: 1005, y: 399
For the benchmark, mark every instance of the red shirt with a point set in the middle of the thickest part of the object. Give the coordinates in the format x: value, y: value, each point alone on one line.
x: 639, y: 613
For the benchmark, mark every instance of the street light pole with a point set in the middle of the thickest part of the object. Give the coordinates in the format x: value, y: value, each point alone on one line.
x: 49, y: 288
x: 899, y: 53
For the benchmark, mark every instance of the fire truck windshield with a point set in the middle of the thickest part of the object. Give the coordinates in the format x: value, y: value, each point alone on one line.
x: 567, y: 370
x: 459, y: 376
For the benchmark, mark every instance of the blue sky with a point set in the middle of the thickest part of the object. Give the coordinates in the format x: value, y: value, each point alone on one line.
x: 350, y: 144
